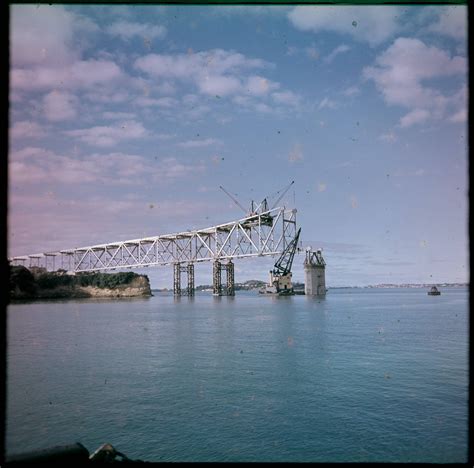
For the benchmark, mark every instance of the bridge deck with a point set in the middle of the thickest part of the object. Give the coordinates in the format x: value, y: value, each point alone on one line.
x: 266, y: 233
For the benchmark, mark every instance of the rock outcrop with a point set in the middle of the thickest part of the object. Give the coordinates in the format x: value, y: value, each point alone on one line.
x: 37, y: 283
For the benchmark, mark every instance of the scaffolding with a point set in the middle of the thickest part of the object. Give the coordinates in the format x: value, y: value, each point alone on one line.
x: 218, y: 288
x: 188, y: 270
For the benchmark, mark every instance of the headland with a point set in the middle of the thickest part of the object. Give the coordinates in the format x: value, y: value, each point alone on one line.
x: 37, y: 283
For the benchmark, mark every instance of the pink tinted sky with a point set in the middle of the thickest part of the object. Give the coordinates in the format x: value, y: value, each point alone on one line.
x: 125, y: 120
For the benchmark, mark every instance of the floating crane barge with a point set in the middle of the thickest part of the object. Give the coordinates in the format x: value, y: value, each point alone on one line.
x: 280, y: 277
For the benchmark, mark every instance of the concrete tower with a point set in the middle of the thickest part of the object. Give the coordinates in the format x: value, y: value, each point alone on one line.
x: 315, y: 273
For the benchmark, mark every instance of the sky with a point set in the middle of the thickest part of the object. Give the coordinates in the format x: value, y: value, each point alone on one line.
x: 124, y: 120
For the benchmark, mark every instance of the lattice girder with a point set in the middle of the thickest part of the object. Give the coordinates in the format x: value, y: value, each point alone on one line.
x: 261, y: 234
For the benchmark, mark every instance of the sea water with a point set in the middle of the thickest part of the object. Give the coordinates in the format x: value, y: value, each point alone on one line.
x: 361, y: 375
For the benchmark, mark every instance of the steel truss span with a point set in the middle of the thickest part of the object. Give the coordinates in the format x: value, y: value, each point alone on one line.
x: 259, y: 234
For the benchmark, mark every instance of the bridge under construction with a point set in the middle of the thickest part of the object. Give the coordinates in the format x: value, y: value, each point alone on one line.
x: 263, y: 232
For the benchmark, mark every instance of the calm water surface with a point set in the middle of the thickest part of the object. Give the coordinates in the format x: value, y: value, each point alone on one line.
x: 363, y: 375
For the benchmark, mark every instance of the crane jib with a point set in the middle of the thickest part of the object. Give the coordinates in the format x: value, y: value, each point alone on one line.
x: 283, y: 265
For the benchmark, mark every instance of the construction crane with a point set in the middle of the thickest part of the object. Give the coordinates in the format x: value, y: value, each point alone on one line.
x: 233, y: 199
x: 282, y: 195
x: 255, y: 210
x: 252, y: 215
x: 280, y: 276
x: 263, y: 205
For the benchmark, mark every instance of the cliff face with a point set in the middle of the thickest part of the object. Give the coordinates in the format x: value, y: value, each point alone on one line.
x: 37, y: 283
x: 138, y: 286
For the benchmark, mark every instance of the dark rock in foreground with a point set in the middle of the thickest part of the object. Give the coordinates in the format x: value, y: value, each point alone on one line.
x: 37, y: 283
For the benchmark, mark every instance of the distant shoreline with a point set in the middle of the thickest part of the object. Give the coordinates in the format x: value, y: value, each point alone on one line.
x: 410, y: 285
x: 246, y: 287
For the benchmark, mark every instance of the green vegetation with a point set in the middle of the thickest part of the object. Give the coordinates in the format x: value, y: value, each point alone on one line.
x: 37, y: 282
x: 105, y: 280
x: 51, y: 281
x: 22, y: 281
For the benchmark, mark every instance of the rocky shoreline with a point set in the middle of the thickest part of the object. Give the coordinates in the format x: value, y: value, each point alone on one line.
x: 37, y: 283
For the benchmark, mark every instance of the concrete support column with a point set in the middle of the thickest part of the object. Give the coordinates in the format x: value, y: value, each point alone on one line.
x: 315, y: 274
x: 315, y: 282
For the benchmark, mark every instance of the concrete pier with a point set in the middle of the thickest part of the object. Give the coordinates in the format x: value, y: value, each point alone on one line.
x: 315, y: 273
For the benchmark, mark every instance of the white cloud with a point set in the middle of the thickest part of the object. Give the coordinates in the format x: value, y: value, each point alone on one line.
x: 107, y: 95
x: 354, y: 202
x: 167, y: 102
x: 30, y: 152
x: 312, y: 52
x: 32, y: 219
x: 219, y: 85
x: 59, y: 106
x: 296, y: 153
x: 26, y: 129
x: 260, y: 86
x: 452, y: 21
x: 214, y: 72
x: 287, y: 97
x: 459, y: 101
x: 44, y: 34
x: 243, y: 101
x: 326, y: 102
x: 351, y: 91
x: 127, y: 30
x: 390, y: 137
x: 459, y: 117
x: 165, y: 136
x: 199, y: 143
x: 400, y: 73
x: 105, y: 136
x: 47, y: 53
x: 171, y: 168
x: 372, y: 24
x: 37, y: 165
x: 216, y: 62
x: 338, y: 50
x: 246, y: 10
x: 80, y: 74
x: 263, y: 108
x: 415, y: 116
x: 279, y: 99
x: 118, y: 115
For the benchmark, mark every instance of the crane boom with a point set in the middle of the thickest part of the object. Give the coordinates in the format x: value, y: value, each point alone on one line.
x: 263, y: 206
x: 282, y: 195
x: 283, y: 264
x: 233, y: 199
x: 280, y: 276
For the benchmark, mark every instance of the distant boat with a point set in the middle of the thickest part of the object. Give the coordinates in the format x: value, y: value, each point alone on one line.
x: 434, y: 291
